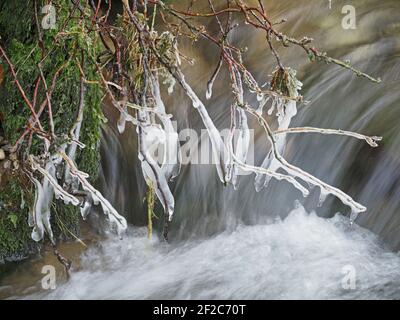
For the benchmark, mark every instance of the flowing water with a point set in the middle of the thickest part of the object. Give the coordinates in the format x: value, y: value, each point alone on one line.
x: 284, y: 260
x: 243, y: 244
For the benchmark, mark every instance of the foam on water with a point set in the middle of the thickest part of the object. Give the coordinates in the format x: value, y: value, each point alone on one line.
x: 302, y: 257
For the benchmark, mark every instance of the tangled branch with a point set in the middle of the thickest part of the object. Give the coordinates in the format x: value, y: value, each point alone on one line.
x: 136, y: 60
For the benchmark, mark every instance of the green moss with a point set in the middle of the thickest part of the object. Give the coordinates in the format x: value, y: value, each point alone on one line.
x: 20, y: 40
x: 15, y: 241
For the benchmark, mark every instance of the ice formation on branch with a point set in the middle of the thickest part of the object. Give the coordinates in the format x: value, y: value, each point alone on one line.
x: 124, y: 117
x: 114, y: 218
x: 210, y: 83
x: 138, y: 57
x: 50, y: 174
x: 283, y: 80
x: 243, y: 140
x: 49, y: 188
x: 219, y: 150
x: 272, y: 174
x: 44, y: 192
x: 150, y: 136
x: 372, y: 141
x: 299, y: 173
x: 172, y: 156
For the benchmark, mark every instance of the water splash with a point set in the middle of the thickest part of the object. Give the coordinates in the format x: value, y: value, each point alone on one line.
x: 301, y: 257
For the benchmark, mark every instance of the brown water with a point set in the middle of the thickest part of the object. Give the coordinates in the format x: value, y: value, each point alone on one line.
x: 24, y: 278
x: 227, y: 244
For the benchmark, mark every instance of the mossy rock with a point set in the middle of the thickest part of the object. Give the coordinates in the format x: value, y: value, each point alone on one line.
x: 20, y: 39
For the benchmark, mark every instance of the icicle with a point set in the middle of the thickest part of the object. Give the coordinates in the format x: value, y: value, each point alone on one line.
x: 44, y: 193
x: 243, y: 141
x: 172, y: 157
x: 124, y: 117
x: 262, y: 103
x: 210, y: 83
x: 170, y: 82
x: 272, y: 108
x: 230, y: 165
x: 262, y: 181
x: 219, y: 150
x: 171, y: 87
x: 114, y: 217
x: 322, y: 198
x: 209, y: 90
x: 296, y: 172
x: 86, y: 208
x: 286, y: 112
x: 121, y: 123
x: 40, y: 202
x: 353, y: 216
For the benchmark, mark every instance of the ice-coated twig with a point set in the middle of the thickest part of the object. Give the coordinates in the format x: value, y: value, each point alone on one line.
x: 371, y: 140
x: 124, y: 115
x: 220, y: 153
x: 172, y: 157
x: 297, y: 172
x: 242, y: 145
x: 243, y: 140
x: 149, y: 136
x: 151, y: 110
x: 210, y: 82
x: 285, y: 111
x: 272, y: 174
x: 41, y: 211
x: 152, y: 172
x: 114, y: 217
x: 40, y: 217
x: 60, y: 193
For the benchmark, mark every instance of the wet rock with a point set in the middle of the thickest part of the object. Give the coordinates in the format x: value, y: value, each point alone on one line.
x: 7, y: 164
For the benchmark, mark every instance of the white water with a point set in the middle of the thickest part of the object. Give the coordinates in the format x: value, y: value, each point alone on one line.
x: 302, y: 257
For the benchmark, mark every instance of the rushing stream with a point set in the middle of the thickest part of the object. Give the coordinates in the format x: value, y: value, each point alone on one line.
x: 302, y: 257
x: 243, y: 244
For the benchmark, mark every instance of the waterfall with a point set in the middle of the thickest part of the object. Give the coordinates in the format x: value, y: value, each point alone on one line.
x: 338, y: 100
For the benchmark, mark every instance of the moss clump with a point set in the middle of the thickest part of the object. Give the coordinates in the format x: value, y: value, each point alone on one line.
x: 68, y: 53
x: 14, y: 230
x: 284, y: 82
x: 22, y: 47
